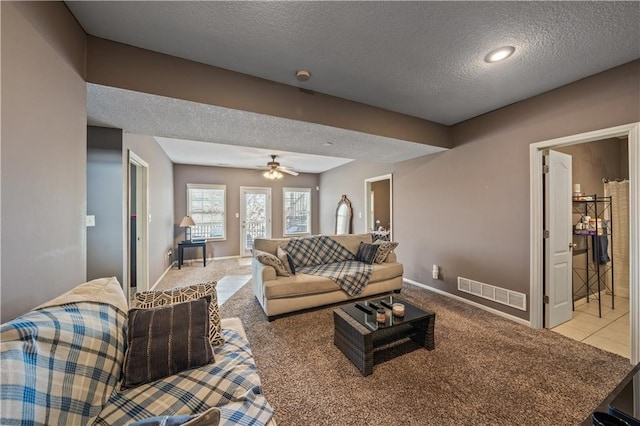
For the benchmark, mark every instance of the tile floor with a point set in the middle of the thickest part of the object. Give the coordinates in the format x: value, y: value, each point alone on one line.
x: 228, y: 285
x: 609, y: 333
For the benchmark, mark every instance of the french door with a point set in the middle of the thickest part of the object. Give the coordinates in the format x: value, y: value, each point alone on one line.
x: 255, y: 216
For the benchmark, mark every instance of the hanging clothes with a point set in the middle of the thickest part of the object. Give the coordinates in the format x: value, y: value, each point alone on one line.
x: 601, y: 249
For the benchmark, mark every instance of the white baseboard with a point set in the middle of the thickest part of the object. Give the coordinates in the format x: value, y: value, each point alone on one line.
x: 469, y: 302
x: 163, y: 274
x: 229, y: 257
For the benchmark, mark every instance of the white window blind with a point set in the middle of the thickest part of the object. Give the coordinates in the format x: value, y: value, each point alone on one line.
x: 297, y: 211
x: 207, y: 207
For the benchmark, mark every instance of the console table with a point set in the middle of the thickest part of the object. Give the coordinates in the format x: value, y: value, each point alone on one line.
x: 183, y: 244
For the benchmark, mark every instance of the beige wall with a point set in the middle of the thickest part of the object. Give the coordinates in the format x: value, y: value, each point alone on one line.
x: 593, y: 161
x: 44, y: 121
x: 161, y: 203
x: 105, y: 179
x: 233, y: 179
x: 467, y: 209
x: 349, y: 180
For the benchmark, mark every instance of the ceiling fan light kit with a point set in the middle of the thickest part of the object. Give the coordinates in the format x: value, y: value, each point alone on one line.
x: 272, y: 174
x: 275, y: 170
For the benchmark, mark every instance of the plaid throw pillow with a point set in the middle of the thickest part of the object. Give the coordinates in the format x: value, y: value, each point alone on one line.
x: 270, y: 260
x: 385, y: 248
x: 367, y: 253
x: 164, y: 341
x: 156, y: 298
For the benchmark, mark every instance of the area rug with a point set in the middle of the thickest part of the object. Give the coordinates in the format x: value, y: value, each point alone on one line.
x: 484, y: 370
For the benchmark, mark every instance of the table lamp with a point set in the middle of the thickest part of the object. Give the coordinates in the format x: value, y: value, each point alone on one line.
x: 187, y: 222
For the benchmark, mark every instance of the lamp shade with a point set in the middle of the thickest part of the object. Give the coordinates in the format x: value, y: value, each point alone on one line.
x: 187, y: 221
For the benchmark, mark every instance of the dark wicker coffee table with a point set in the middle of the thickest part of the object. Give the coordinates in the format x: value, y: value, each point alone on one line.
x: 357, y: 333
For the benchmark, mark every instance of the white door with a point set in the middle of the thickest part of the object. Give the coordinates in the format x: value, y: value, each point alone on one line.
x: 557, y: 246
x: 255, y: 217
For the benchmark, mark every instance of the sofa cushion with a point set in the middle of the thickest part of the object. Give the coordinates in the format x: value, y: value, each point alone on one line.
x: 386, y: 247
x: 231, y: 383
x: 60, y: 364
x: 269, y: 245
x: 211, y: 417
x: 271, y: 260
x: 385, y: 271
x: 166, y: 340
x: 156, y: 298
x: 298, y: 285
x: 367, y: 253
x: 352, y: 241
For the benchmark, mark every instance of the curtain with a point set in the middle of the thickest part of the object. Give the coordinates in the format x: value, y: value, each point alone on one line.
x: 619, y: 247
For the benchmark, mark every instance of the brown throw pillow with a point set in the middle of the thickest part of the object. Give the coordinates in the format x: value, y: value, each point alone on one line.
x: 157, y: 298
x: 270, y: 260
x: 385, y: 248
x: 164, y: 341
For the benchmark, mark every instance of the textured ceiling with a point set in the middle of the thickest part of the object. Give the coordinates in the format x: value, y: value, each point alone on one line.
x: 156, y: 115
x: 244, y: 157
x: 420, y: 58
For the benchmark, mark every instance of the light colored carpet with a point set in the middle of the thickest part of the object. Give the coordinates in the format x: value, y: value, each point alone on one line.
x: 193, y: 272
x: 484, y: 370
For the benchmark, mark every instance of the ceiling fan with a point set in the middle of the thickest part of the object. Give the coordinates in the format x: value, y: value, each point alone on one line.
x: 274, y: 170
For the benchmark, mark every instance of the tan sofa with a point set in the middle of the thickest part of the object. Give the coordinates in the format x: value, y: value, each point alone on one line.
x: 279, y: 295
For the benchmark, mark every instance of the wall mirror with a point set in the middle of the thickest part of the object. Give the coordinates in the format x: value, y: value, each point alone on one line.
x: 344, y: 213
x: 378, y: 201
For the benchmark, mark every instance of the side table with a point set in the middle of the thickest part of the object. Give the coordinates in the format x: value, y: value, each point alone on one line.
x: 183, y: 244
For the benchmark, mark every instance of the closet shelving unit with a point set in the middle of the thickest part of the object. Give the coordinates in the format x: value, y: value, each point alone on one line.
x: 593, y: 274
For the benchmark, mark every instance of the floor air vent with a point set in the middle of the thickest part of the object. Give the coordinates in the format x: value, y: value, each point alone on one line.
x: 491, y: 292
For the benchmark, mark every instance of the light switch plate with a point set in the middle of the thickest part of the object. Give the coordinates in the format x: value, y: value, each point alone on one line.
x: 91, y: 220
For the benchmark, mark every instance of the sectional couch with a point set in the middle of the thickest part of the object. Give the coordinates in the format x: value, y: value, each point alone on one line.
x: 280, y: 295
x: 62, y: 363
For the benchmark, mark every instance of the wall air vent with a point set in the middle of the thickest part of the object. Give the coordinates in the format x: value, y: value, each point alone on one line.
x: 491, y: 292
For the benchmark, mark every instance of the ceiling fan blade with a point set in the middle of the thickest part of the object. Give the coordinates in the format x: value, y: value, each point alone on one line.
x: 288, y: 171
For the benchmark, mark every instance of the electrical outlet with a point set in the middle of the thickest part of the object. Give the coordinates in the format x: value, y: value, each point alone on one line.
x: 170, y: 252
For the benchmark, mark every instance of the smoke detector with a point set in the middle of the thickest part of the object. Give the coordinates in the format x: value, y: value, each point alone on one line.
x: 303, y: 75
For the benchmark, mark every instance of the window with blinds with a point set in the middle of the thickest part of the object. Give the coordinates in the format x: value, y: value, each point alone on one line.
x: 297, y: 211
x: 206, y: 206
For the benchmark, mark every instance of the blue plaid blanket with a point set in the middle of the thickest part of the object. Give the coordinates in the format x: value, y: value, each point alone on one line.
x: 352, y: 276
x: 231, y: 384
x: 324, y: 256
x: 60, y: 364
x: 317, y: 250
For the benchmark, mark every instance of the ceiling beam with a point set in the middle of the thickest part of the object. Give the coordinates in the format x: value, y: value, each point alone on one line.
x: 118, y: 65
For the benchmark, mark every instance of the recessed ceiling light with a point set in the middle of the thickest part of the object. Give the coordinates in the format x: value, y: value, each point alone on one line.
x: 500, y: 54
x: 328, y: 144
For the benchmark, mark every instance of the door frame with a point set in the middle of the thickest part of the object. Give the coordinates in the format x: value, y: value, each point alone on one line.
x: 367, y: 200
x: 142, y: 222
x: 536, y: 271
x: 243, y: 213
